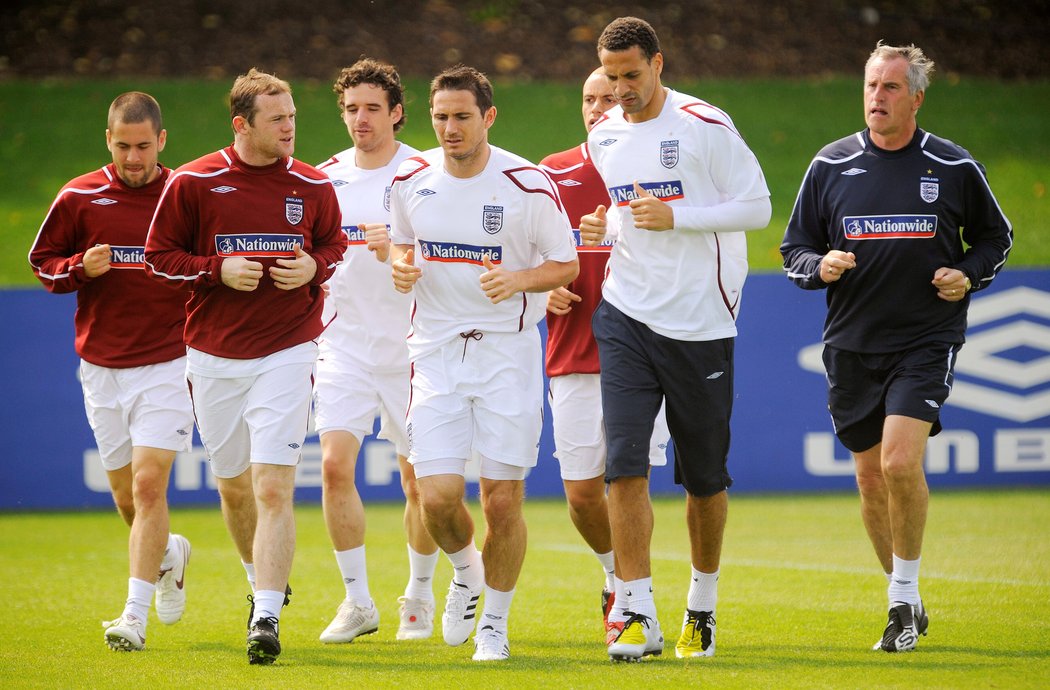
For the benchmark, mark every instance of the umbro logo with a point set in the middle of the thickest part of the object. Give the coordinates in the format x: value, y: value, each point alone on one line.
x: 717, y: 374
x: 933, y: 404
x: 426, y: 192
x: 339, y: 183
x: 104, y: 201
x: 569, y: 183
x: 182, y: 432
x: 293, y: 446
x: 607, y: 142
x: 224, y: 189
x: 854, y: 171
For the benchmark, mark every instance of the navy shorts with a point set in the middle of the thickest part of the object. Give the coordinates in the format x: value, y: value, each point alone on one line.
x: 640, y: 369
x: 864, y: 388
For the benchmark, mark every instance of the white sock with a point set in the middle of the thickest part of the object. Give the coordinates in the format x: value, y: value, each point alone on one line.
x: 640, y: 596
x: 170, y: 554
x: 249, y: 570
x: 497, y: 609
x: 421, y: 568
x: 470, y: 571
x: 140, y: 594
x: 268, y: 603
x: 355, y: 576
x: 618, y: 614
x: 703, y: 591
x: 904, y: 584
x: 608, y: 562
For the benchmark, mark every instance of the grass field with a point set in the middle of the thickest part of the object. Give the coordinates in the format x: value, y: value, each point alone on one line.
x: 801, y: 602
x: 52, y: 131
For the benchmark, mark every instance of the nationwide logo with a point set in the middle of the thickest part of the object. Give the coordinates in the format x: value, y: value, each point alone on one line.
x: 104, y: 201
x: 889, y: 227
x: 453, y: 252
x: 355, y: 234
x: 1004, y: 368
x: 665, y: 191
x: 127, y: 257
x: 257, y: 245
x: 605, y: 245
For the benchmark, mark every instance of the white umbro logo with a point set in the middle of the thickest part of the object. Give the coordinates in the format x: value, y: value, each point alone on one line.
x: 570, y: 183
x: 104, y: 201
x: 854, y: 171
x: 426, y: 192
x: 933, y: 404
x: 715, y: 375
x: 224, y: 189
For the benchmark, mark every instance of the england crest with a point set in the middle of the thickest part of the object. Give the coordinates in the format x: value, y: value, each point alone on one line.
x: 929, y: 191
x: 293, y: 210
x: 669, y: 153
x: 492, y: 219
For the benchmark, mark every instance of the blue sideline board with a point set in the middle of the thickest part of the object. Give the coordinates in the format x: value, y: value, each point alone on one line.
x: 996, y: 422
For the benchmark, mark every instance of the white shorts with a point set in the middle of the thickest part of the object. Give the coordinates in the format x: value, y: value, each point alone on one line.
x: 478, y: 396
x: 489, y: 468
x: 260, y: 419
x: 349, y: 398
x: 145, y: 406
x: 579, y: 434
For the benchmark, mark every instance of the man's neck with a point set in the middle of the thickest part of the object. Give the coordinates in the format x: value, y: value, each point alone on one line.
x: 653, y: 109
x: 465, y: 168
x: 376, y: 158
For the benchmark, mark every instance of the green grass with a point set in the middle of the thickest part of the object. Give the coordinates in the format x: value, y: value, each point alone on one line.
x: 51, y: 131
x: 801, y: 602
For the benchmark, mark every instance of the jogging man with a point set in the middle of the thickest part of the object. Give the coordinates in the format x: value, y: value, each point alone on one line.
x: 479, y: 237
x: 252, y: 233
x: 572, y: 362
x: 133, y: 361
x: 683, y: 187
x: 362, y: 369
x: 877, y: 223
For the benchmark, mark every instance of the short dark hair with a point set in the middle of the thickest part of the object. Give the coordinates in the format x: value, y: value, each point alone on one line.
x: 626, y: 32
x: 381, y: 74
x: 247, y: 87
x: 463, y: 78
x: 134, y: 107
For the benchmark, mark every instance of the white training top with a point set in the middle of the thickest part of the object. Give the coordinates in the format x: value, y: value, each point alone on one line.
x: 371, y: 318
x: 683, y: 283
x: 510, y: 211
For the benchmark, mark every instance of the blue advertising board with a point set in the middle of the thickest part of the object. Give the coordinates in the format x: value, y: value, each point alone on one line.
x: 996, y: 422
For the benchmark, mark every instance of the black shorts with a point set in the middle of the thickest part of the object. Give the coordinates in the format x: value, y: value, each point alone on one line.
x: 864, y: 388
x: 640, y: 369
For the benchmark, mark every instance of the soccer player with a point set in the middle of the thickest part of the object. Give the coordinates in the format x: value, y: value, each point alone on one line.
x: 129, y: 338
x: 252, y: 233
x: 877, y: 223
x: 479, y: 235
x: 684, y: 187
x: 572, y: 361
x: 362, y: 369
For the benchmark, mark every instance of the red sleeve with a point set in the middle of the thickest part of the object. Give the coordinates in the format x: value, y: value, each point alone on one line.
x: 54, y: 257
x: 170, y: 244
x: 328, y: 238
